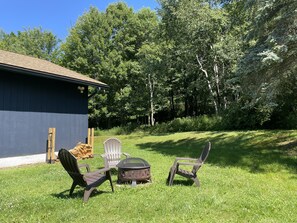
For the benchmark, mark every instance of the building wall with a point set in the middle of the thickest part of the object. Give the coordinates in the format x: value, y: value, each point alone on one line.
x: 30, y: 105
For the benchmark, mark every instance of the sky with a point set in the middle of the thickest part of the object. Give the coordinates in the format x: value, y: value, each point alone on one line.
x: 57, y: 16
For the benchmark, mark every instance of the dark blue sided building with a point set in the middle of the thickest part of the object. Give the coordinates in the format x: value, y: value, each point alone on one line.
x: 36, y: 95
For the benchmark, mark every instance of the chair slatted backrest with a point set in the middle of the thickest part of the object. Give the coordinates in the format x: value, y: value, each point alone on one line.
x: 69, y: 163
x: 202, y: 157
x: 205, y: 152
x: 113, y: 149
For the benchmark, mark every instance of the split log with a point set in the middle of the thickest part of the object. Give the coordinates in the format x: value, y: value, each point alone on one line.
x: 82, y: 151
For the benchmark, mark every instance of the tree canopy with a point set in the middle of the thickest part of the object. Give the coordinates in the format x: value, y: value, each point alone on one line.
x: 230, y: 58
x: 34, y: 42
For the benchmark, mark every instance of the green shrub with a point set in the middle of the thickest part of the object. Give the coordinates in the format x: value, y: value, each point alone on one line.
x: 201, y: 123
x: 118, y: 130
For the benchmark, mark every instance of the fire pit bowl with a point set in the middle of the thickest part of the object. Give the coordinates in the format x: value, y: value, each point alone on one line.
x: 133, y: 169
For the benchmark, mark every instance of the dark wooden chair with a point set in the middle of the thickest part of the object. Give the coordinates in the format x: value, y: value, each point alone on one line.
x: 89, y: 180
x: 182, y: 161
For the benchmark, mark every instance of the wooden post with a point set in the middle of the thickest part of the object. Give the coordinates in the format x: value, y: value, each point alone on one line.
x: 51, y: 142
x: 89, y: 133
x: 90, y: 140
x: 93, y: 133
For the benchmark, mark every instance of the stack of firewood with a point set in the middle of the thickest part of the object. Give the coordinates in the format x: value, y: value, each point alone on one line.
x: 82, y: 151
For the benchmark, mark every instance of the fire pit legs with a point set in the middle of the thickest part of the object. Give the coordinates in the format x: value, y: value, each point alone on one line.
x: 133, y: 184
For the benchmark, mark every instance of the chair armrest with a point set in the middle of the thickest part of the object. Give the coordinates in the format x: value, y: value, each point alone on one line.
x: 188, y: 164
x: 96, y: 178
x: 100, y: 171
x: 104, y: 156
x: 126, y: 154
x: 84, y: 165
x: 186, y: 158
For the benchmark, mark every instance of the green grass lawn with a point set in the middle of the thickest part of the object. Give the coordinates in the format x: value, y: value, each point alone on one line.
x: 248, y: 177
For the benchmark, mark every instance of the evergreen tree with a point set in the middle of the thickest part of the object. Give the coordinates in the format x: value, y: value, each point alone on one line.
x: 268, y: 65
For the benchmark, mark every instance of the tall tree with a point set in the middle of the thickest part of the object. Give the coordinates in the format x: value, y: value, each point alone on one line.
x: 269, y: 62
x: 147, y: 75
x: 206, y: 53
x: 34, y: 42
x: 150, y: 77
x: 104, y: 45
x: 86, y: 50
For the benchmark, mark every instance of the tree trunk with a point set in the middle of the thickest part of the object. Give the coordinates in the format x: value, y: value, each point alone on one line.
x: 152, y: 106
x: 172, y: 104
x: 217, y: 80
x: 209, y: 85
x: 108, y: 123
x: 225, y: 102
x: 186, y: 105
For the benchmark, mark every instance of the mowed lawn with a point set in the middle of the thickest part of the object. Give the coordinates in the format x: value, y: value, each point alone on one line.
x: 248, y: 177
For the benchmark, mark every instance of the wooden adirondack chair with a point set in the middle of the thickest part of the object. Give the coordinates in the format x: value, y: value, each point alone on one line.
x: 89, y: 180
x: 184, y: 161
x: 113, y: 152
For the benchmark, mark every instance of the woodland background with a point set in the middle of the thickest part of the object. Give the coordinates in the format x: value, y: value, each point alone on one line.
x: 232, y: 62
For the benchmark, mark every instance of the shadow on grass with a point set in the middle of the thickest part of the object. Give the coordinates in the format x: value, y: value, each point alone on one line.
x: 76, y: 194
x: 185, y: 182
x: 258, y: 152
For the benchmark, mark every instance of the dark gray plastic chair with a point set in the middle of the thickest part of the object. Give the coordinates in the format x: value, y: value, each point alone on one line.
x: 183, y: 161
x: 89, y: 180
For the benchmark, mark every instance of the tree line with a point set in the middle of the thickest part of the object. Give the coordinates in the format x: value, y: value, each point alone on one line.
x: 231, y: 58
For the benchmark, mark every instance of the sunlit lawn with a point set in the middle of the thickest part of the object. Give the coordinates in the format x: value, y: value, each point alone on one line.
x: 248, y: 177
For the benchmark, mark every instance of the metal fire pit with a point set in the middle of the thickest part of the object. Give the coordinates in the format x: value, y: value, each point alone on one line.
x: 134, y: 170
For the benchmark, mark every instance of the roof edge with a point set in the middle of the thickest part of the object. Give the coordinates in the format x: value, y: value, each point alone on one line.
x: 51, y: 75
